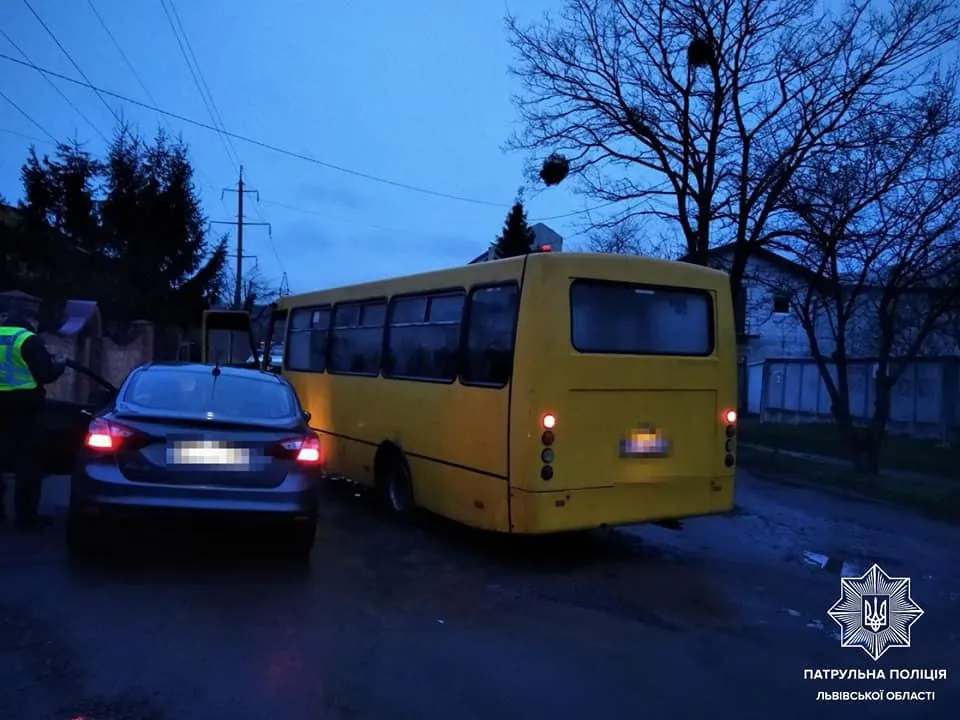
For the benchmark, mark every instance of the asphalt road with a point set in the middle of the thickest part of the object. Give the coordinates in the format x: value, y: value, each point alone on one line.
x: 431, y: 621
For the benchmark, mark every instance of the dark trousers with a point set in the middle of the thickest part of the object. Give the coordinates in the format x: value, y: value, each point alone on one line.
x: 19, y: 444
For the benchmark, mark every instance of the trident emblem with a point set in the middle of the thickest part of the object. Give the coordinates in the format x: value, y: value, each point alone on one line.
x: 875, y: 615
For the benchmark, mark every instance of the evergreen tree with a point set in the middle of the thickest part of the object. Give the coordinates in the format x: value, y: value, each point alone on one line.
x: 517, y: 238
x: 57, y: 241
x: 154, y: 222
x: 141, y: 251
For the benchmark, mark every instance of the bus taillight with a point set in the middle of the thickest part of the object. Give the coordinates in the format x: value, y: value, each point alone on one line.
x: 730, y: 418
x: 548, y: 421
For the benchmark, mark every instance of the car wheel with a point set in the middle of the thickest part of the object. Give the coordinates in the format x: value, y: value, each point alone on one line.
x: 398, y: 488
x: 82, y: 536
x: 302, y: 538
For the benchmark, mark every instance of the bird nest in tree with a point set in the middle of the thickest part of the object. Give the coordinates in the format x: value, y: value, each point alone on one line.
x: 555, y: 169
x: 700, y: 53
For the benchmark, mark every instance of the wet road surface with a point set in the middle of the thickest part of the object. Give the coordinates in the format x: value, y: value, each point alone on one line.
x: 433, y: 621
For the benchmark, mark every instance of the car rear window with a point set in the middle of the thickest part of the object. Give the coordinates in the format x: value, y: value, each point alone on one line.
x: 625, y: 318
x: 228, y: 396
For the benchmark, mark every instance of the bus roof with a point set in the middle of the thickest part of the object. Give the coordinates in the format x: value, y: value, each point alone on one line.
x: 568, y: 263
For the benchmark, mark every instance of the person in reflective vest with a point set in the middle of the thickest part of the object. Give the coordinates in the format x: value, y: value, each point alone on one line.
x: 25, y: 367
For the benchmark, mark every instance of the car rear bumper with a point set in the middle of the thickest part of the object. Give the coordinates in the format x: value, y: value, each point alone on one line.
x: 100, y: 487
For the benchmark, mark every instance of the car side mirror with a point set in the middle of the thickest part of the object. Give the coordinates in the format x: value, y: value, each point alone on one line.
x: 307, y: 415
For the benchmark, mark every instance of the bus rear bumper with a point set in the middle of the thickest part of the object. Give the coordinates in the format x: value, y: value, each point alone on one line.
x: 553, y: 511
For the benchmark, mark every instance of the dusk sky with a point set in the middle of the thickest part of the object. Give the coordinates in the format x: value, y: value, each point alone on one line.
x: 414, y: 92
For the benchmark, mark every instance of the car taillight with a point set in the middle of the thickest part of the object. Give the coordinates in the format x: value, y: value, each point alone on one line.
x: 305, y: 450
x: 106, y: 436
x: 309, y: 453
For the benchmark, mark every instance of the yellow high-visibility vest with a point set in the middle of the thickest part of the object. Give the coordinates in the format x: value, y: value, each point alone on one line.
x: 14, y: 372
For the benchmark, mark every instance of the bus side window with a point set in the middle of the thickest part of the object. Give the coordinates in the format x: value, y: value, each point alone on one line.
x: 488, y: 350
x: 319, y: 331
x: 356, y: 337
x: 423, y: 337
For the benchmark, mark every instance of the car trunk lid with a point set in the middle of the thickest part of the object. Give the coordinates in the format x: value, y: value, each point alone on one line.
x: 198, y: 453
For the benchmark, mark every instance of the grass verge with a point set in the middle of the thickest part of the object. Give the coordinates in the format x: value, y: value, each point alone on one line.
x: 932, y: 496
x: 897, y: 453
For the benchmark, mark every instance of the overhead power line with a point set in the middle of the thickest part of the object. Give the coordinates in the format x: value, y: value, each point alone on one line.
x: 27, y: 115
x: 25, y: 136
x: 119, y: 49
x: 52, y: 84
x: 321, y: 213
x: 133, y: 71
x: 203, y: 80
x: 290, y: 153
x: 70, y: 58
x: 258, y: 143
x: 186, y: 51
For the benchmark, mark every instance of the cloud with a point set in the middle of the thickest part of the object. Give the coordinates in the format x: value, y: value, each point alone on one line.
x: 301, y: 236
x: 314, y: 194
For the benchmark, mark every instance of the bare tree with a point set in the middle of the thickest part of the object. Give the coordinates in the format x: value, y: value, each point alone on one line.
x: 257, y: 290
x: 879, y: 224
x: 700, y: 112
x: 624, y: 238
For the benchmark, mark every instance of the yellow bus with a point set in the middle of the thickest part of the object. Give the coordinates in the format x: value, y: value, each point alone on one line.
x: 539, y: 394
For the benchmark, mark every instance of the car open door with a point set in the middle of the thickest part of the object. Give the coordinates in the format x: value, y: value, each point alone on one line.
x: 228, y: 338
x: 63, y: 423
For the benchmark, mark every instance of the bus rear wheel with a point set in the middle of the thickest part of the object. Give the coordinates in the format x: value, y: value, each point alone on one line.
x: 396, y: 487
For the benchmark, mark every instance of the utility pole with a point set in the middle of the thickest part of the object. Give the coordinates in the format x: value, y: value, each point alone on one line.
x: 239, y: 223
x: 236, y: 292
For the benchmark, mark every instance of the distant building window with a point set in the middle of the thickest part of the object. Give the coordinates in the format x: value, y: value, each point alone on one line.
x: 781, y: 304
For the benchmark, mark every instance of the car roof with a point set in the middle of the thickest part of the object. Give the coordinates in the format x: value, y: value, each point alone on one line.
x: 206, y: 369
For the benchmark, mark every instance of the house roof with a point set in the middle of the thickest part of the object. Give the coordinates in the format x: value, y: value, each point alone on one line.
x: 767, y: 255
x: 800, y: 271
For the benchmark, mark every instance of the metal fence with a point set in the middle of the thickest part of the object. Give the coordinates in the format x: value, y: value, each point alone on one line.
x: 925, y: 402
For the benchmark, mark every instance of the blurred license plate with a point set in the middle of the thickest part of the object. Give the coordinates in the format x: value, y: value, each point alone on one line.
x: 207, y: 453
x: 643, y: 444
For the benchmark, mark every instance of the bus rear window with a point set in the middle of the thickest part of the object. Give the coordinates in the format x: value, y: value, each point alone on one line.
x: 630, y: 319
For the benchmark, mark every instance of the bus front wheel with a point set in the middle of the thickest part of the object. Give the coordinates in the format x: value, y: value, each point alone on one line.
x: 396, y: 486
